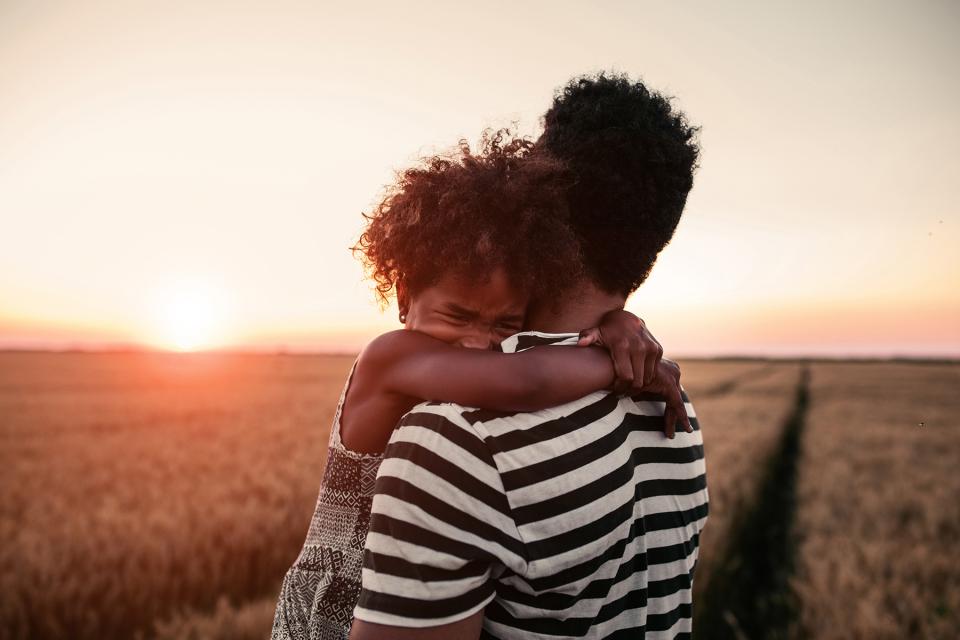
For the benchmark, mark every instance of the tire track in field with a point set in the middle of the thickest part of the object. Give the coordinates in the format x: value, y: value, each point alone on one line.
x: 749, y: 595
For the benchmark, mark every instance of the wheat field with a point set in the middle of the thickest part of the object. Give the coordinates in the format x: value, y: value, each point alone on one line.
x: 879, y: 503
x: 137, y: 485
x: 164, y: 495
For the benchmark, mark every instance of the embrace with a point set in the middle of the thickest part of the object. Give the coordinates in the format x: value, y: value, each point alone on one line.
x: 482, y: 480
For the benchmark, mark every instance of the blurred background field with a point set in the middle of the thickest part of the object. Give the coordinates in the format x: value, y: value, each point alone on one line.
x: 164, y: 495
x: 878, y: 519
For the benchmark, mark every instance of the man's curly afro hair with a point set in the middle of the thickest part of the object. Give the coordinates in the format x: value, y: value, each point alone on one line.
x: 468, y: 213
x: 633, y: 157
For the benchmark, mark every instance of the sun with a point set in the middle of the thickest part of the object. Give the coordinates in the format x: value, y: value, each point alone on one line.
x: 187, y: 318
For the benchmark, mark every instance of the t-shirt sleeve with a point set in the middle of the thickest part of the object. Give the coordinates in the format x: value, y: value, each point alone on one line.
x: 441, y: 529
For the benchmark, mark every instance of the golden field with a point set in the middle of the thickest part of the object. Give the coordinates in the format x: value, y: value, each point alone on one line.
x: 164, y: 495
x: 138, y: 484
x: 878, y: 521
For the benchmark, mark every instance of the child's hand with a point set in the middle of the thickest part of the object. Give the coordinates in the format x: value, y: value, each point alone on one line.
x: 667, y: 384
x: 635, y: 352
x: 639, y: 364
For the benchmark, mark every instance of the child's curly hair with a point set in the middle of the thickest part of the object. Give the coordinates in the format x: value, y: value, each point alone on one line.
x: 467, y: 213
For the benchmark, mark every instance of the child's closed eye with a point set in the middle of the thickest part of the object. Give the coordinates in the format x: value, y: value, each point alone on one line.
x: 455, y: 318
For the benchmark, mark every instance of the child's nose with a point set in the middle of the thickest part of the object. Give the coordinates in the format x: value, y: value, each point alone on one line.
x: 477, y: 341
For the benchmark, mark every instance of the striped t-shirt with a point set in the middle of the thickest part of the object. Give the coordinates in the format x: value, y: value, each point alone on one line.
x: 579, y: 520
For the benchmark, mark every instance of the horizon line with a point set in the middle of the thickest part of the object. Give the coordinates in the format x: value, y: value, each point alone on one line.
x: 283, y: 351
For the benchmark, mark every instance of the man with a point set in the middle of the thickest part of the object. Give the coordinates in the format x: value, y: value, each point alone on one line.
x: 580, y: 520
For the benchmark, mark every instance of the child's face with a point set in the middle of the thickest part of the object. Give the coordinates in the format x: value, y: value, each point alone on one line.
x: 468, y: 314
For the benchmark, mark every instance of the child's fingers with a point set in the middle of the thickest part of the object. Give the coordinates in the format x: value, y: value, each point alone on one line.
x: 622, y: 369
x: 677, y: 405
x: 681, y: 410
x: 636, y: 362
x: 670, y: 422
x: 653, y: 361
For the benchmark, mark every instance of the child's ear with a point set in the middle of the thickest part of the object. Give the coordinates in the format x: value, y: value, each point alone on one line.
x: 403, y: 299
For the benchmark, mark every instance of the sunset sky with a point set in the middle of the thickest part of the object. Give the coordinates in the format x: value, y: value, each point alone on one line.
x: 191, y: 175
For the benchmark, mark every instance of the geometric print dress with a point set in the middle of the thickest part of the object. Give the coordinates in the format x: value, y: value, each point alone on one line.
x: 322, y: 587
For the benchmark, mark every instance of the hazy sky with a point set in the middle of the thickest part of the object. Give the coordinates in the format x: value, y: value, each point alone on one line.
x: 204, y: 165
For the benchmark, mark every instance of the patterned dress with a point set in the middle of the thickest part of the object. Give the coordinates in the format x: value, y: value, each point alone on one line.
x: 322, y: 587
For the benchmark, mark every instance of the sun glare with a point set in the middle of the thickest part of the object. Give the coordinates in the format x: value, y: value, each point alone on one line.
x: 187, y: 318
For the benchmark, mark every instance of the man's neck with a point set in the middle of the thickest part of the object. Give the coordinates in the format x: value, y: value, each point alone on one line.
x: 582, y: 307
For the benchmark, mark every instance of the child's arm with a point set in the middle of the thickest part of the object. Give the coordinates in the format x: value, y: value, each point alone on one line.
x: 413, y: 364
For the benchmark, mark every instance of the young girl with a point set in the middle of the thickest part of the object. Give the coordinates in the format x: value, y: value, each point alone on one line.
x: 467, y: 243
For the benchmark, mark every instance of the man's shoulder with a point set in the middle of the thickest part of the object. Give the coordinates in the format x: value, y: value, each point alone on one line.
x: 474, y: 418
x: 434, y: 443
x: 442, y: 424
x: 450, y: 411
x: 482, y: 419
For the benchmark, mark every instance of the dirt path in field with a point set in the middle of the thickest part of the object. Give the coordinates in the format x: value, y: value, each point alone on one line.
x: 749, y: 594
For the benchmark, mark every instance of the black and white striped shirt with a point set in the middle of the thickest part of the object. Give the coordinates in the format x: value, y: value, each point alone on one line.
x: 579, y: 520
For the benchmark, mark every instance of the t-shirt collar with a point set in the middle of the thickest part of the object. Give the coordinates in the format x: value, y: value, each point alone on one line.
x: 528, y: 339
